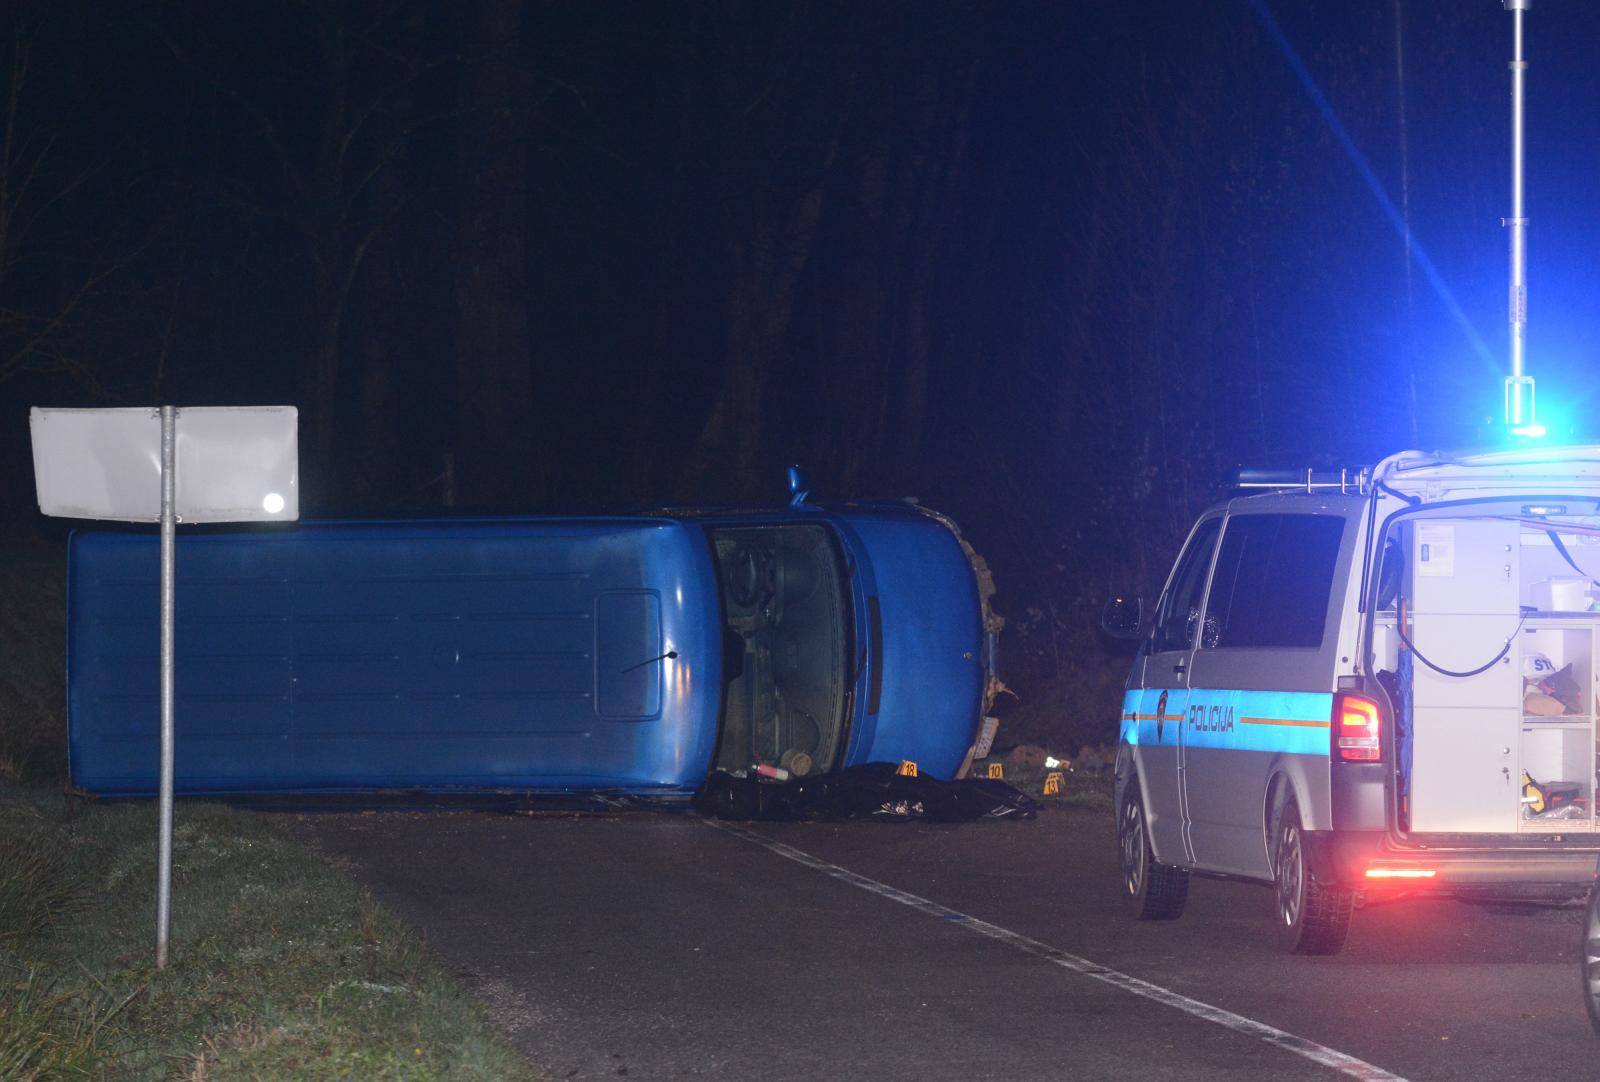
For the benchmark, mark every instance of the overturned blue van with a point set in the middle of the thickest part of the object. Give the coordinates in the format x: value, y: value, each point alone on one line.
x: 631, y: 654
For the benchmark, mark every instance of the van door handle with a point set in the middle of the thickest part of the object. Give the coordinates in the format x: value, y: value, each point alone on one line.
x: 1181, y: 667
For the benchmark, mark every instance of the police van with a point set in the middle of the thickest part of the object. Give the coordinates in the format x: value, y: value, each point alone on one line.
x: 1371, y: 684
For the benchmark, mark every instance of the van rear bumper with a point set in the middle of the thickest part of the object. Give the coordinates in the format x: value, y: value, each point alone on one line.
x: 1369, y: 860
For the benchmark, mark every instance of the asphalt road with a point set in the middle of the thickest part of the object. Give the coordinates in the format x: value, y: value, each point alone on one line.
x: 657, y: 946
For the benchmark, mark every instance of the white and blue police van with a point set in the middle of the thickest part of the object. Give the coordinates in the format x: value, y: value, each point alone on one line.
x: 1367, y: 685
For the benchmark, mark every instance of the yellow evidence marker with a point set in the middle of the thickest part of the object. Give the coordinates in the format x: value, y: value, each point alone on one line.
x: 1052, y: 783
x: 908, y: 768
x: 997, y: 770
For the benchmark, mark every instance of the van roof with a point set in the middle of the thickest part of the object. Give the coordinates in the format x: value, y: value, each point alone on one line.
x: 1432, y: 475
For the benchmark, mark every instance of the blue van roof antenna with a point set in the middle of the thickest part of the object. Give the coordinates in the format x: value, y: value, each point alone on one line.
x: 799, y: 486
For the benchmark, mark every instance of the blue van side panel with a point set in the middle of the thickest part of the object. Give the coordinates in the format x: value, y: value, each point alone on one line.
x: 932, y: 642
x: 524, y: 655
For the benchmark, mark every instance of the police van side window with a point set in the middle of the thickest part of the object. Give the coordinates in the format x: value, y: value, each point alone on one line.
x: 1180, y: 608
x: 1271, y: 585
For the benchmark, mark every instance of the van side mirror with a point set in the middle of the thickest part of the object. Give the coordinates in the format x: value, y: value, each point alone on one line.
x: 1123, y: 617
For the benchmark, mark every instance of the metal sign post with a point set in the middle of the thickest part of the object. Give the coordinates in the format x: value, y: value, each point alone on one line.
x: 169, y: 567
x: 212, y: 464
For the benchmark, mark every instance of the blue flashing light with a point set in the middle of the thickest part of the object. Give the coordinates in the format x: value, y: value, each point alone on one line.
x: 1519, y: 394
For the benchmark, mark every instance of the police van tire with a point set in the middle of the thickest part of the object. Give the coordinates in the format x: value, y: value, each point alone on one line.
x: 1150, y: 890
x: 1591, y: 958
x: 1312, y: 917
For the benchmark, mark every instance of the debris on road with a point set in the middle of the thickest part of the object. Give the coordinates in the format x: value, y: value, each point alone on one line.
x: 871, y: 791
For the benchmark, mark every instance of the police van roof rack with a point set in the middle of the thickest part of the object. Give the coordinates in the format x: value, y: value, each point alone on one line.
x: 1349, y: 479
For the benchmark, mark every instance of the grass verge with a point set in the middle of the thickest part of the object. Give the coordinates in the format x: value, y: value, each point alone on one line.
x: 281, y: 967
x: 33, y: 587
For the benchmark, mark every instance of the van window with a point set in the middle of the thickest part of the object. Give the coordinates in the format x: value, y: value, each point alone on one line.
x: 1180, y: 608
x: 1272, y: 580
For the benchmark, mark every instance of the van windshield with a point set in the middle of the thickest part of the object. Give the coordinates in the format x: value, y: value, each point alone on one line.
x: 786, y: 618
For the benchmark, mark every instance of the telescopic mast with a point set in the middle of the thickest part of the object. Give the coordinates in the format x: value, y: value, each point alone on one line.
x: 1519, y: 385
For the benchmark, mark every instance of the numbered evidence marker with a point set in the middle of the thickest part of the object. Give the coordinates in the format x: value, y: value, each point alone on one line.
x: 997, y: 770
x: 1052, y: 783
x: 908, y: 768
x: 167, y: 465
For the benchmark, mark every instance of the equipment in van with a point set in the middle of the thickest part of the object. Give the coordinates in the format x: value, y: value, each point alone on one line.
x: 1549, y: 797
x: 1548, y: 691
x: 1561, y: 595
x: 1535, y: 666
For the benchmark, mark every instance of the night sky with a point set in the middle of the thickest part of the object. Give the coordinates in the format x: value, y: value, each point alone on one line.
x: 1053, y: 268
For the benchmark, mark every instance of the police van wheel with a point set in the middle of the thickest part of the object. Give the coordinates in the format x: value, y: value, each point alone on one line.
x: 1151, y: 891
x: 1591, y: 958
x: 1312, y: 918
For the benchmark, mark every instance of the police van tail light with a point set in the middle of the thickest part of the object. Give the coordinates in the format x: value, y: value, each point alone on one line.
x: 1356, y: 729
x: 1387, y: 871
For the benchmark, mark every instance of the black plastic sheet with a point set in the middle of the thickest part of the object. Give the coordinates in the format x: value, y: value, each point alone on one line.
x: 870, y: 791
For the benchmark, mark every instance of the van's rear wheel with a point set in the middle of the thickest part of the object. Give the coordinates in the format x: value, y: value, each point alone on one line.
x: 1312, y: 917
x: 1151, y: 891
x: 1591, y: 958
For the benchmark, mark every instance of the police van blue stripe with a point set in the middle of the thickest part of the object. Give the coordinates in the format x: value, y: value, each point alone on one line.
x: 1283, y: 722
x: 1130, y: 717
x: 1287, y: 722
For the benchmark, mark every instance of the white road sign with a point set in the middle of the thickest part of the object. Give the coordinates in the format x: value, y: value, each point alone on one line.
x: 234, y: 463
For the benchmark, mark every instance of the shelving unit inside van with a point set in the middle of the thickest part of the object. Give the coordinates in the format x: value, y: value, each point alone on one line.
x: 1507, y: 744
x: 1557, y: 749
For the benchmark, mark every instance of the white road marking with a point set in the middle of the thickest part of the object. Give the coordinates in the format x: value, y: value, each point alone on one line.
x: 1339, y: 1061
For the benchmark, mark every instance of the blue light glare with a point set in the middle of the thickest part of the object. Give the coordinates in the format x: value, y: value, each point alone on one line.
x: 1566, y: 417
x: 1557, y: 421
x: 1365, y: 170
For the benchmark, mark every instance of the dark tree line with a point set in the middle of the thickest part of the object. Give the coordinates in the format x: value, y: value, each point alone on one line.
x: 1053, y: 268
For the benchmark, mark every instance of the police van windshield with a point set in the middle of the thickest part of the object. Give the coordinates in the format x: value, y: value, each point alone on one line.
x: 786, y: 617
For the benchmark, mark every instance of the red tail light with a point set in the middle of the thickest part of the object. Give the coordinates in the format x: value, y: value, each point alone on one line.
x: 1386, y: 872
x: 1356, y: 729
